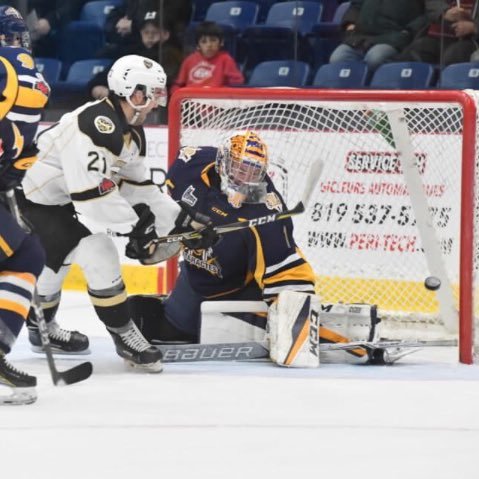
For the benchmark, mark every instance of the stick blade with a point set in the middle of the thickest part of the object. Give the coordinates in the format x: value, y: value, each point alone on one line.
x: 74, y: 375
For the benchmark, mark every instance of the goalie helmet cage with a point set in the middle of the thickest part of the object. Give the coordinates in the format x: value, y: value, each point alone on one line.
x: 396, y: 201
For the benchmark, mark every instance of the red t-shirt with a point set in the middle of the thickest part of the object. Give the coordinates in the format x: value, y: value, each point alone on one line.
x: 196, y: 70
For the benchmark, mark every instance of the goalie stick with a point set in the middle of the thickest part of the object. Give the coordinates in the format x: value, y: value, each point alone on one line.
x: 312, y: 179
x: 237, y: 225
x: 183, y: 353
x: 70, y: 376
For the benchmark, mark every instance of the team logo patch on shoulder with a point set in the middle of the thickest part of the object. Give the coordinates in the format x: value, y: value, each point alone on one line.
x: 187, y: 152
x: 273, y: 202
x: 106, y: 186
x: 104, y: 124
x: 26, y: 61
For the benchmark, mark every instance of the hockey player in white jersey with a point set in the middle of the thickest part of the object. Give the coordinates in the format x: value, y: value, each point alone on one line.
x: 90, y: 181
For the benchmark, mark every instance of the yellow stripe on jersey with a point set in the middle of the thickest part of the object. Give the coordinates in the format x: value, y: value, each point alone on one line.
x: 301, y: 272
x: 110, y: 301
x: 10, y: 91
x: 169, y: 184
x: 333, y: 337
x: 204, y: 174
x: 30, y: 98
x: 25, y: 163
x: 5, y: 247
x: 260, y: 262
x: 14, y: 307
x: 17, y: 278
x: 298, y: 343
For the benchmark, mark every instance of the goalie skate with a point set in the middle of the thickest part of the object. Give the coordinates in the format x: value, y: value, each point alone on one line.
x: 21, y: 385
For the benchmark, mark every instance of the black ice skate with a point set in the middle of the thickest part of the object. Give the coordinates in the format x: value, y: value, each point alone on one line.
x: 135, y: 349
x: 62, y: 341
x: 21, y: 384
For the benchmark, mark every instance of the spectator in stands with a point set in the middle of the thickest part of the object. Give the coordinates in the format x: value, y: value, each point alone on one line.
x: 155, y: 44
x: 450, y: 36
x: 376, y: 31
x: 210, y: 65
x: 124, y: 23
x: 46, y: 18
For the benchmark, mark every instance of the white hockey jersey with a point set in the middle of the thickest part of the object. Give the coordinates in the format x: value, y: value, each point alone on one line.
x: 95, y: 160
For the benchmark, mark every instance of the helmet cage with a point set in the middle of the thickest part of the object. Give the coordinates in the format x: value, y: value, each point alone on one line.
x: 242, y: 162
x: 13, y: 28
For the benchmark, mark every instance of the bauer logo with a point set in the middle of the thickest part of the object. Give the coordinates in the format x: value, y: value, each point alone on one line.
x: 104, y: 124
x: 386, y: 162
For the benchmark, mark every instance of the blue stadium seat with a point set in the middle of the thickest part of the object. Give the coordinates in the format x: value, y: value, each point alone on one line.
x: 264, y: 6
x: 460, y: 76
x: 326, y: 36
x: 403, y: 76
x: 97, y: 11
x: 73, y: 91
x: 234, y: 14
x: 341, y: 75
x: 199, y: 9
x: 294, y: 15
x: 50, y: 68
x: 82, y: 71
x: 286, y: 73
x: 80, y: 40
x: 282, y: 37
x: 233, y: 17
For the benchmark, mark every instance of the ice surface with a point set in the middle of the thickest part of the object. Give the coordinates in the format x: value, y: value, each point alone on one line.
x: 417, y: 419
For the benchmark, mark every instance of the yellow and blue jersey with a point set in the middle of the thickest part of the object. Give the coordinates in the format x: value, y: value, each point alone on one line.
x: 267, y: 254
x: 24, y: 93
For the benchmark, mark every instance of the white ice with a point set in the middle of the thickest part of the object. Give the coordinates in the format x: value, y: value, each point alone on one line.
x: 417, y: 419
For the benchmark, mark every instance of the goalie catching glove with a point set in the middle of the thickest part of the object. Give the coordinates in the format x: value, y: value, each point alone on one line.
x: 189, y: 219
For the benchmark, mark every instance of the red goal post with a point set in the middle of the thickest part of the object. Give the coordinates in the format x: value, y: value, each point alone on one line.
x: 396, y: 201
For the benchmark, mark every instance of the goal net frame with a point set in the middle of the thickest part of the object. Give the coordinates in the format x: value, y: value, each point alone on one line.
x: 381, y: 99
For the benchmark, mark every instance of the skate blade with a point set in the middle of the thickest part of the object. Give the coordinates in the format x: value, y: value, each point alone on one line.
x: 19, y: 397
x: 60, y: 352
x: 145, y: 368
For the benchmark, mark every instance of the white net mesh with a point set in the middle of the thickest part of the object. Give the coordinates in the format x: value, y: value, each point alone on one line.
x: 359, y: 230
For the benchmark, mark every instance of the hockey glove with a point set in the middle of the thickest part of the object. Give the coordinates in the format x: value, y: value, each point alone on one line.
x: 143, y: 235
x: 188, y: 220
x: 13, y: 171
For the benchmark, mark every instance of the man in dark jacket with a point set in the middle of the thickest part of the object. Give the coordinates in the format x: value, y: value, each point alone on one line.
x: 377, y: 30
x: 451, y: 35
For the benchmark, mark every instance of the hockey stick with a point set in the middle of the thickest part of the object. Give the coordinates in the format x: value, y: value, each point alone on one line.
x: 183, y: 353
x: 70, y: 376
x: 311, y: 181
x: 236, y: 226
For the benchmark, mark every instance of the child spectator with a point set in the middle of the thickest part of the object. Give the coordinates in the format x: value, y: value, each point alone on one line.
x: 155, y: 44
x: 210, y: 65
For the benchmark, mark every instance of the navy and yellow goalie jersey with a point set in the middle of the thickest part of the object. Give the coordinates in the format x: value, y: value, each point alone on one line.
x: 266, y: 254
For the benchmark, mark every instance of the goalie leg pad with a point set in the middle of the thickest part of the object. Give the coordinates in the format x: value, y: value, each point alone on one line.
x: 293, y: 322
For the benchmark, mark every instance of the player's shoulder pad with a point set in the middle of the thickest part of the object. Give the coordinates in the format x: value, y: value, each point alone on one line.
x: 19, y: 57
x: 103, y: 126
x: 197, y: 154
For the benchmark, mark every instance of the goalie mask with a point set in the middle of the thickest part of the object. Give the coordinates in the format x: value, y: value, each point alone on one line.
x: 13, y: 29
x: 241, y: 163
x: 134, y: 72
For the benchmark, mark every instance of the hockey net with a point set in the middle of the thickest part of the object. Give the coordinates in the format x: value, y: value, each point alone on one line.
x: 395, y: 203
